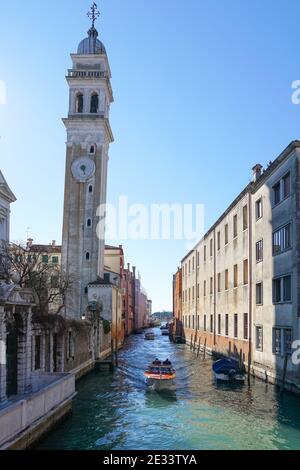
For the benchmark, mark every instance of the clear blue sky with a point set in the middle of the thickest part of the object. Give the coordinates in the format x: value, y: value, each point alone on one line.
x: 202, y: 92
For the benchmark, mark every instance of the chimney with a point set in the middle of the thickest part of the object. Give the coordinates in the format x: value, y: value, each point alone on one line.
x: 256, y: 172
x: 133, y: 270
x: 29, y: 242
x: 53, y: 243
x: 128, y: 267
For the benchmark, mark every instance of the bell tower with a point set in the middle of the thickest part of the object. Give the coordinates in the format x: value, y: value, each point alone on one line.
x: 88, y: 138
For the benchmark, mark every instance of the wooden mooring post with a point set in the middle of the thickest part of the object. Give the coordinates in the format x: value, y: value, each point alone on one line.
x: 204, y: 351
x: 284, y: 372
x: 191, y: 344
x: 199, y: 347
x: 195, y: 342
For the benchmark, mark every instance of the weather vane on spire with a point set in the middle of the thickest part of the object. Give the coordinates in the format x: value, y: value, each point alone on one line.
x: 93, y: 13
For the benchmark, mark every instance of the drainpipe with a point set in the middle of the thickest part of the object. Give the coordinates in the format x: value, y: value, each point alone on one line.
x: 196, y: 296
x: 215, y: 291
x: 250, y: 287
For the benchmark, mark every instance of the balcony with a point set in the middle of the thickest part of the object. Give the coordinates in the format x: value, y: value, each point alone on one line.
x: 86, y: 74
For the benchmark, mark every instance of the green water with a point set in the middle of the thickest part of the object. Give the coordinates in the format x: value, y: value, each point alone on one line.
x: 117, y: 412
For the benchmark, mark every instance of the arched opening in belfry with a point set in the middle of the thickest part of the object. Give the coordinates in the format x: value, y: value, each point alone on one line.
x: 94, y: 103
x: 79, y: 103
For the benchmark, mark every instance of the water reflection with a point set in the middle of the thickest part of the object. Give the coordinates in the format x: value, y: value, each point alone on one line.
x: 118, y: 411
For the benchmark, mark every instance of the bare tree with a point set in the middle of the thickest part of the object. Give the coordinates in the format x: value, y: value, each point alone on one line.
x: 27, y: 267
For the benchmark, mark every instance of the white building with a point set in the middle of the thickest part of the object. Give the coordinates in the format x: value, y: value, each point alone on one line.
x: 240, y: 284
x: 6, y: 198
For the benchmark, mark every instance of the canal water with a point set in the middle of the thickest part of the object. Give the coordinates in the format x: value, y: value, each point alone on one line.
x: 115, y: 411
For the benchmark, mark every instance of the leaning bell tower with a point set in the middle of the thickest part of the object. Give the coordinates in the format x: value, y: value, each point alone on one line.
x: 88, y: 138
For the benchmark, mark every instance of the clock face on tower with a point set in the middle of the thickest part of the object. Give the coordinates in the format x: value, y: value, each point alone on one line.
x: 83, y: 169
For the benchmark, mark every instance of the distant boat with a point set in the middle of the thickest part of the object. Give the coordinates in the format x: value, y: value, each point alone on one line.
x: 228, y: 370
x: 150, y: 336
x: 160, y: 375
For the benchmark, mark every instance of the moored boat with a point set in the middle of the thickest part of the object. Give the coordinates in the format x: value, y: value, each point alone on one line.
x: 160, y: 375
x: 150, y: 336
x: 228, y: 370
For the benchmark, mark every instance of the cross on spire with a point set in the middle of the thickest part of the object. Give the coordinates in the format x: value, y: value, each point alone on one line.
x: 93, y: 13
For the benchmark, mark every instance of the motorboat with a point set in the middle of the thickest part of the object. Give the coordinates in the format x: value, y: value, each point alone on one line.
x: 165, y: 332
x: 150, y: 336
x: 228, y: 370
x: 160, y: 375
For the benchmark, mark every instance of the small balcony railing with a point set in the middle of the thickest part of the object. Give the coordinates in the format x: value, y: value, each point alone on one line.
x: 87, y: 74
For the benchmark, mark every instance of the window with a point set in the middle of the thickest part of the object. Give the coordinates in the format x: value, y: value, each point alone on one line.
x: 193, y: 293
x: 226, y: 279
x: 211, y: 248
x: 236, y: 325
x: 89, y: 222
x: 286, y: 183
x: 226, y: 234
x: 211, y: 323
x: 198, y: 291
x: 198, y: 258
x: 219, y: 241
x: 92, y: 150
x: 219, y: 282
x: 204, y: 323
x: 204, y: 288
x: 204, y: 253
x: 211, y: 285
x: 276, y: 193
x: 79, y: 103
x: 258, y: 209
x: 193, y: 322
x: 94, y: 103
x: 189, y: 266
x: 245, y: 217
x: 282, y: 189
x: 277, y: 345
x: 245, y: 271
x: 219, y: 324
x: 246, y: 328
x: 259, y: 338
x: 226, y: 324
x: 282, y: 289
x: 45, y: 259
x: 282, y: 239
x: 90, y: 189
x: 235, y: 226
x: 193, y: 263
x: 107, y: 278
x: 259, y: 293
x: 259, y: 251
x: 235, y: 275
x: 87, y: 256
x: 287, y: 340
x: 54, y: 259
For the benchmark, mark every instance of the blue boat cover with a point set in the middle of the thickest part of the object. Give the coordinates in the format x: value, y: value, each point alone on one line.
x: 223, y: 366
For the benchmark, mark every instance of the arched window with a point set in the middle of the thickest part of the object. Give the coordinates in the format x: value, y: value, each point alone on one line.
x: 87, y: 256
x: 94, y: 103
x: 90, y: 189
x: 89, y: 222
x: 79, y: 103
x: 92, y: 150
